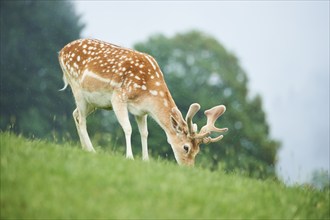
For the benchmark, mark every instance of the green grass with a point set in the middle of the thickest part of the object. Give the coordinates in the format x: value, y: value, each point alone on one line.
x: 45, y: 180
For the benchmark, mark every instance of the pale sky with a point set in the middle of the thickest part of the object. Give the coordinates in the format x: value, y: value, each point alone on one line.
x: 282, y: 45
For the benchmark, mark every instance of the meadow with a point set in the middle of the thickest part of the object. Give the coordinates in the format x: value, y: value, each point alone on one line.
x: 43, y: 180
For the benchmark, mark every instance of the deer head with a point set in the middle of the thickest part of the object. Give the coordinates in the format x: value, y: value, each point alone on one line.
x: 186, y: 140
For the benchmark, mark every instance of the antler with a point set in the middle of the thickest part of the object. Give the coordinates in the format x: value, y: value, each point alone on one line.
x: 192, y: 128
x: 193, y: 109
x: 212, y: 115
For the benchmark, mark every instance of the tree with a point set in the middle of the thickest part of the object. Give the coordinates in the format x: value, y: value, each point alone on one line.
x: 198, y: 68
x: 32, y: 32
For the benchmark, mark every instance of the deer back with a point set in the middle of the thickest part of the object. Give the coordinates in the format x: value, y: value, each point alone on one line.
x: 94, y: 65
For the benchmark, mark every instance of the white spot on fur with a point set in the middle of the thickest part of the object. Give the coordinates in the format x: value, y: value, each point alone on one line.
x: 136, y: 86
x: 153, y: 92
x: 75, y: 65
x: 149, y: 58
x: 129, y: 83
x: 165, y: 103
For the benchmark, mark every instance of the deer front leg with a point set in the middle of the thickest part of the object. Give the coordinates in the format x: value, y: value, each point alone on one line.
x: 143, y: 129
x: 121, y: 113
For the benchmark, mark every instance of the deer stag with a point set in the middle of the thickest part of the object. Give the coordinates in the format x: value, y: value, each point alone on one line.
x: 106, y: 76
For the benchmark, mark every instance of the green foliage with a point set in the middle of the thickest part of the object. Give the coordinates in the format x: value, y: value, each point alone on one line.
x: 198, y: 68
x: 41, y: 180
x: 32, y: 32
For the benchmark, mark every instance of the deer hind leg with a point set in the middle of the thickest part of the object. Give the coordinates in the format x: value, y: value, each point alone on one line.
x: 121, y: 113
x: 143, y: 128
x: 79, y: 115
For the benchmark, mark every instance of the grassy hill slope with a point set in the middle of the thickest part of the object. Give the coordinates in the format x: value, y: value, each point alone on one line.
x: 45, y: 180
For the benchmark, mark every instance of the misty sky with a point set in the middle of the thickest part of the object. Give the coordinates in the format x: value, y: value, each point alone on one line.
x: 283, y: 47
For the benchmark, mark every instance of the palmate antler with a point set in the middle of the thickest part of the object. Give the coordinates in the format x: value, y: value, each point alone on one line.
x: 212, y: 115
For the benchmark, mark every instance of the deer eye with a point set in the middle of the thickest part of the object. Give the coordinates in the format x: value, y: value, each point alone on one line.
x: 186, y: 148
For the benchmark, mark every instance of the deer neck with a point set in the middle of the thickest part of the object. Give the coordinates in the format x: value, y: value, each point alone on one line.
x: 161, y: 113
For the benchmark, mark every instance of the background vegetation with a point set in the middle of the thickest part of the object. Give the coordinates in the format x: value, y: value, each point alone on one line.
x: 41, y: 180
x: 197, y: 68
x: 32, y: 32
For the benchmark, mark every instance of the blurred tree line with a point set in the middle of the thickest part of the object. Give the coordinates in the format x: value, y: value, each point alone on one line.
x: 32, y: 32
x: 196, y: 66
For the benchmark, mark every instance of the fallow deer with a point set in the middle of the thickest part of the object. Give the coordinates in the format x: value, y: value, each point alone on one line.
x: 106, y: 76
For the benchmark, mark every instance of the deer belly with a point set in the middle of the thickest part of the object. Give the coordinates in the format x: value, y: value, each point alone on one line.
x: 135, y: 110
x: 98, y: 99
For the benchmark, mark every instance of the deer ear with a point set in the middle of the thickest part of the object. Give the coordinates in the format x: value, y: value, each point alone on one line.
x: 176, y: 120
x: 176, y: 125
